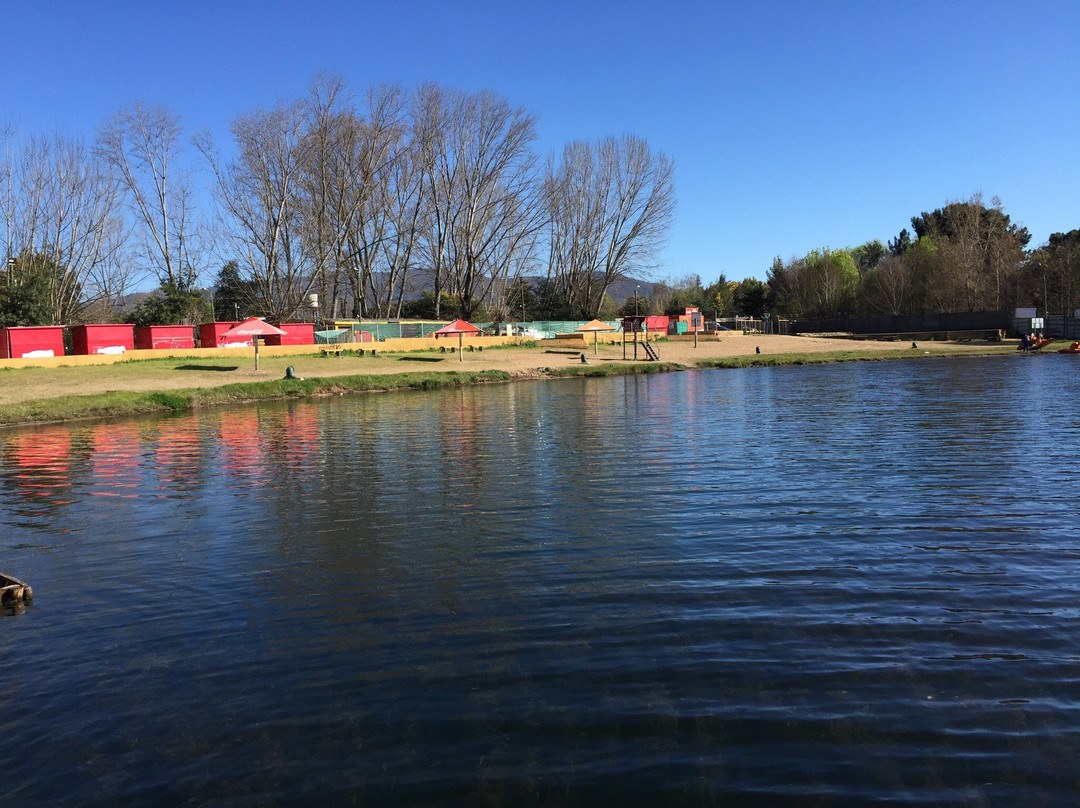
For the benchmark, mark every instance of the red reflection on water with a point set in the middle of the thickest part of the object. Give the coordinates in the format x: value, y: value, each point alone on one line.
x: 241, y: 450
x: 301, y: 436
x: 43, y: 449
x: 459, y: 416
x: 177, y: 448
x: 41, y: 460
x: 115, y: 460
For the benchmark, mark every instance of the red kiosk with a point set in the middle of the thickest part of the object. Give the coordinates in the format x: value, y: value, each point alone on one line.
x: 295, y: 334
x: 23, y: 342
x: 160, y: 337
x: 211, y: 335
x: 102, y: 339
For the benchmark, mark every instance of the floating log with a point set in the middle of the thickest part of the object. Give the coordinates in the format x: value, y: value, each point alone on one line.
x: 14, y: 592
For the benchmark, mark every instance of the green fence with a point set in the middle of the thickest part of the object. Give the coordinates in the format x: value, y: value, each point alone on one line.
x: 344, y: 330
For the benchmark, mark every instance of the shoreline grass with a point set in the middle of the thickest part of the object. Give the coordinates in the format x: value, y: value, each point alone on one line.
x: 121, y: 404
x: 126, y: 404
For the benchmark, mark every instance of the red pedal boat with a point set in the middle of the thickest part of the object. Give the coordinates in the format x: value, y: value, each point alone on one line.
x: 1035, y: 344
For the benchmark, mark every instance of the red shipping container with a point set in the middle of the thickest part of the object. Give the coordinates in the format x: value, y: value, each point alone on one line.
x: 295, y: 334
x: 164, y: 337
x: 20, y: 342
x: 657, y: 323
x: 210, y: 336
x: 102, y: 339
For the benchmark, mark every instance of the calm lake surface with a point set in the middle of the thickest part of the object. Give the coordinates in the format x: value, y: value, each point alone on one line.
x: 835, y: 585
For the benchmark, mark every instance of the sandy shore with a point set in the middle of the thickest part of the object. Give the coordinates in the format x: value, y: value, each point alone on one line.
x: 33, y: 384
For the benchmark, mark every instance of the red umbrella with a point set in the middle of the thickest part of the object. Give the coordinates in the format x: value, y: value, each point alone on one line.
x: 253, y: 327
x: 459, y: 327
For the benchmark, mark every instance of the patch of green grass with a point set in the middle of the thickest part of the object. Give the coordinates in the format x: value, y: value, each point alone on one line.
x: 127, y: 404
x: 613, y: 369
x: 98, y: 405
x: 170, y: 400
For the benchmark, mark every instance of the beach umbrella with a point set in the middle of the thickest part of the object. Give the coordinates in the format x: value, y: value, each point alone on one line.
x: 595, y: 326
x: 459, y: 327
x: 253, y: 327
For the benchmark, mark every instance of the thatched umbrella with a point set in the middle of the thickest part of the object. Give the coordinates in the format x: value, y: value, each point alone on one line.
x: 595, y: 326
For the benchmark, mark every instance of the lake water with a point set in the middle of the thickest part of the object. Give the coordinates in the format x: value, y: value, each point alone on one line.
x: 822, y: 585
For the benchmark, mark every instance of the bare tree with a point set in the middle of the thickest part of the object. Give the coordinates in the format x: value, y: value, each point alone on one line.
x: 979, y: 251
x: 439, y: 182
x: 611, y: 206
x: 386, y: 189
x: 1004, y: 251
x: 481, y: 190
x: 361, y: 196
x: 328, y: 184
x: 496, y: 226
x: 61, y: 216
x: 405, y: 204
x: 1062, y: 255
x: 8, y: 193
x: 887, y: 287
x: 142, y: 144
x: 260, y: 194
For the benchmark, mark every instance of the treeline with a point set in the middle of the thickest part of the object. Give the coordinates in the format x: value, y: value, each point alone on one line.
x: 359, y: 206
x: 963, y: 257
x: 966, y: 256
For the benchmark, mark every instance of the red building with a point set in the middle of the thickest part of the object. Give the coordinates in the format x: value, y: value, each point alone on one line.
x: 21, y: 342
x: 295, y: 334
x: 688, y: 322
x: 657, y: 323
x: 210, y: 336
x: 102, y: 339
x: 164, y: 337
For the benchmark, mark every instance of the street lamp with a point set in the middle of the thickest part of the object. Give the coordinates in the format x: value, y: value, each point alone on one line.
x: 637, y: 296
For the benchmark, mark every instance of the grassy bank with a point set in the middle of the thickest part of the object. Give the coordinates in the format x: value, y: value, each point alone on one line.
x: 612, y: 369
x: 119, y: 404
x: 124, y: 404
x: 42, y: 395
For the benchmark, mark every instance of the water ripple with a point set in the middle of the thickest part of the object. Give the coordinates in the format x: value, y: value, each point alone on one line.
x: 785, y: 586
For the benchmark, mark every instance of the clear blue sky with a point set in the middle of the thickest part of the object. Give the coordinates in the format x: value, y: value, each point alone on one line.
x: 793, y: 126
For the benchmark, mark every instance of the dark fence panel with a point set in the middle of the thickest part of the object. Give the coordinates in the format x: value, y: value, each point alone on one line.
x: 1060, y: 327
x: 912, y: 323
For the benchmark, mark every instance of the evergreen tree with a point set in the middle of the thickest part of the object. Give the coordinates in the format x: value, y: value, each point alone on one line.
x: 27, y: 289
x: 170, y: 305
x: 234, y: 296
